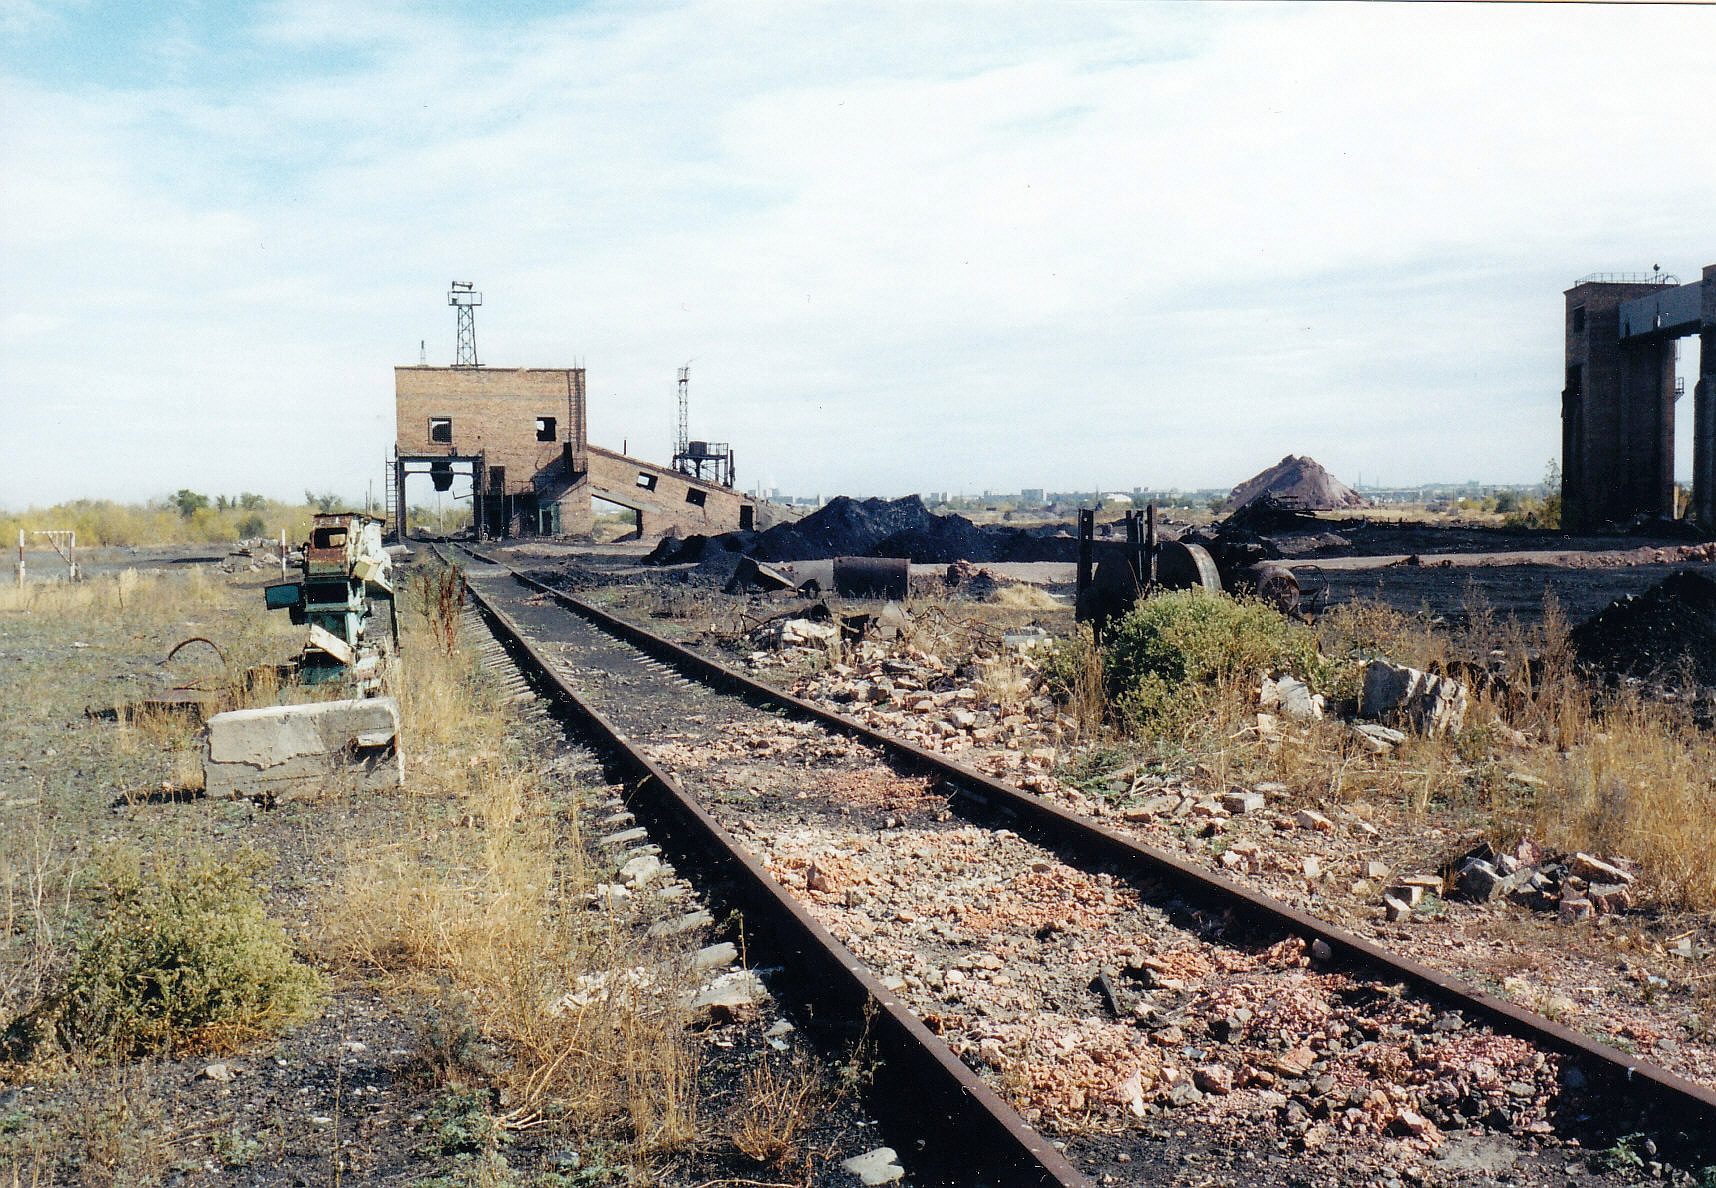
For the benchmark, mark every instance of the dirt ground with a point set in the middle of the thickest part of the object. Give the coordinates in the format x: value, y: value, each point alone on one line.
x: 351, y: 1095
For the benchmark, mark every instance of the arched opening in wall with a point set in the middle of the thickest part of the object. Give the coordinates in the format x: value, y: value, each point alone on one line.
x: 614, y: 523
x: 429, y: 512
x: 1686, y: 379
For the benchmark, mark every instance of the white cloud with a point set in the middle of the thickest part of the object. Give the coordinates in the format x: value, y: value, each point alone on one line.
x: 909, y: 247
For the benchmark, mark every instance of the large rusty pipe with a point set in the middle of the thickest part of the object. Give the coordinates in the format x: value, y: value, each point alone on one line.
x: 872, y: 577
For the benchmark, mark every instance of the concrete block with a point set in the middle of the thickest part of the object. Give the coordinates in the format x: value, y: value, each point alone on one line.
x: 296, y: 752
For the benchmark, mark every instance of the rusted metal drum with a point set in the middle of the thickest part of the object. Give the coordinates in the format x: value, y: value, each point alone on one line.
x: 1271, y: 582
x: 1186, y: 567
x: 871, y: 577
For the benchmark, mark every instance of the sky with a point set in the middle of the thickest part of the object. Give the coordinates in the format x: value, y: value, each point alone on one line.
x: 924, y: 246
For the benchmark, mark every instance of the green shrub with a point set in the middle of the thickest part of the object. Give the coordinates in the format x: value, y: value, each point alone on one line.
x: 182, y: 956
x: 1169, y: 657
x: 460, y: 1123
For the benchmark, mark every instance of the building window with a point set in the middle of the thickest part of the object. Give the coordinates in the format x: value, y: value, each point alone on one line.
x: 646, y: 481
x: 545, y: 429
x: 696, y: 498
x: 441, y: 429
x: 1578, y: 319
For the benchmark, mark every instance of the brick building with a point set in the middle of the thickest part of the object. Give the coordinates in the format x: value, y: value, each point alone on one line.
x: 521, y: 436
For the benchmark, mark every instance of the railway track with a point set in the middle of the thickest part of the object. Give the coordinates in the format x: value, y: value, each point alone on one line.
x: 1053, y: 1001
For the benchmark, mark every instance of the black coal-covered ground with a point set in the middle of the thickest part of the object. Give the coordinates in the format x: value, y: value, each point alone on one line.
x: 1378, y: 537
x: 1453, y: 593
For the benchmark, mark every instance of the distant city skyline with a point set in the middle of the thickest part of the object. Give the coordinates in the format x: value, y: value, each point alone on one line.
x: 905, y: 246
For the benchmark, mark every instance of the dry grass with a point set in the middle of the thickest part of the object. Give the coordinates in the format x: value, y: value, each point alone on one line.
x: 124, y: 593
x: 1008, y: 680
x: 238, y: 671
x: 1022, y: 596
x: 38, y: 880
x: 1541, y: 754
x: 777, y: 1105
x: 1074, y: 675
x: 439, y: 596
x: 1641, y: 783
x: 482, y: 908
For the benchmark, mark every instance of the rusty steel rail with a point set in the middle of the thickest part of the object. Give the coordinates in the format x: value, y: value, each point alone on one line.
x: 1688, y: 1104
x: 957, y: 1120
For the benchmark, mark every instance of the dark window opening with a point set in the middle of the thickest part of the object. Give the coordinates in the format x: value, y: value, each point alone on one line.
x: 696, y: 498
x: 747, y: 517
x: 497, y: 478
x: 646, y: 481
x: 545, y: 429
x: 441, y: 429
x: 1578, y: 319
x: 1575, y: 379
x: 325, y: 593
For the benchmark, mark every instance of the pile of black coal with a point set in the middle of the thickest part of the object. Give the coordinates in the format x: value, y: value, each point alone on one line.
x: 846, y: 527
x: 1266, y: 516
x: 1666, y: 633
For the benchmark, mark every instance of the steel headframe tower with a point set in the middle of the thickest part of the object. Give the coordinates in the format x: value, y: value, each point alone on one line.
x: 463, y: 297
x: 683, y: 442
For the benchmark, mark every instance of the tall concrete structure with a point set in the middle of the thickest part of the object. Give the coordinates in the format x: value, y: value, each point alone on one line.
x: 520, y: 434
x: 1617, y: 408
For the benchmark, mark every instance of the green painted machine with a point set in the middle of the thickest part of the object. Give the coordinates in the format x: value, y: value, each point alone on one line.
x: 347, y: 574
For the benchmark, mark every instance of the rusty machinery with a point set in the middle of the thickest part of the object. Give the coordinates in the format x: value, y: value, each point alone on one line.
x: 1114, y: 575
x: 346, y: 572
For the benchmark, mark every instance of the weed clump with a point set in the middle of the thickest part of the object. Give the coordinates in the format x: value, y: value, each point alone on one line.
x: 1173, y: 653
x: 440, y: 597
x: 778, y: 1104
x: 182, y: 957
x: 1072, y: 673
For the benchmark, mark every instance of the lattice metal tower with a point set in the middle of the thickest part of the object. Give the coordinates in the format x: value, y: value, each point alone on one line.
x: 463, y: 297
x: 691, y: 457
x: 683, y: 441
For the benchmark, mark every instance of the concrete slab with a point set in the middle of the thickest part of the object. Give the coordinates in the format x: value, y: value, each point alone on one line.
x: 294, y: 752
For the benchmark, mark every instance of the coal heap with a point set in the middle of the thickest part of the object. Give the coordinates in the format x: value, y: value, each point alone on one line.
x: 846, y: 527
x: 1299, y: 483
x: 1266, y: 515
x: 1668, y: 632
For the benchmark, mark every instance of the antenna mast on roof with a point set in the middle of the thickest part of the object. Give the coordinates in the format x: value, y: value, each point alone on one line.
x: 463, y: 297
x: 682, y: 443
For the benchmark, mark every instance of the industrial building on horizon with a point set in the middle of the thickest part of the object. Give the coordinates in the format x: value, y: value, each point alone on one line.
x: 520, y: 435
